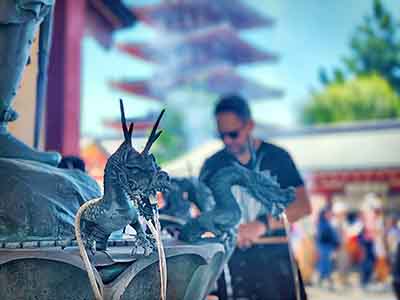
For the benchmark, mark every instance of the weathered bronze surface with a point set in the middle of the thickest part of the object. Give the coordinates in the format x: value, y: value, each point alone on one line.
x: 53, y: 273
x: 39, y: 202
x: 19, y: 22
x: 183, y: 192
x: 131, y: 181
x: 220, y: 212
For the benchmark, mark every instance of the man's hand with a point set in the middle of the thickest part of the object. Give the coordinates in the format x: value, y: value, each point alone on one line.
x: 274, y: 224
x: 249, y: 233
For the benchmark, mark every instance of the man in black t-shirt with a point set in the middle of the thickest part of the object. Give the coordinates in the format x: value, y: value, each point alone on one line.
x: 260, y: 266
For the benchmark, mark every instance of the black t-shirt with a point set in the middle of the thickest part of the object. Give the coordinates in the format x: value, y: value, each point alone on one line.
x: 273, y: 158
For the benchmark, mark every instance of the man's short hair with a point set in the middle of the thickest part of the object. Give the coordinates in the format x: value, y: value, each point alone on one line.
x: 235, y: 104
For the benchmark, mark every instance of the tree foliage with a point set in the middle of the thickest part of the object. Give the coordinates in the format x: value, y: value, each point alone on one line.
x: 375, y: 48
x: 172, y: 141
x: 362, y: 98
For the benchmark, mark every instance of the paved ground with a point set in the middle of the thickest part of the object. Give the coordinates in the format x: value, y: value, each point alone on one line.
x: 354, y: 294
x: 351, y: 294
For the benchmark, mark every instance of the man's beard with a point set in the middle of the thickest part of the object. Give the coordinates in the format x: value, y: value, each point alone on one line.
x: 238, y: 150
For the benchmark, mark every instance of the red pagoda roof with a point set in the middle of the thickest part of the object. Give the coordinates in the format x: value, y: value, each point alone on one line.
x: 219, y: 80
x: 137, y: 87
x: 106, y: 16
x: 223, y: 80
x: 188, y: 15
x: 204, y: 51
x: 221, y: 43
x: 139, y: 50
x: 140, y: 124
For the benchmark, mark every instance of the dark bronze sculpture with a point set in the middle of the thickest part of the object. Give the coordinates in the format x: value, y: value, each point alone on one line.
x: 131, y: 181
x: 220, y: 213
x: 39, y: 202
x: 226, y: 213
x: 37, y: 207
x: 183, y: 192
x: 19, y: 21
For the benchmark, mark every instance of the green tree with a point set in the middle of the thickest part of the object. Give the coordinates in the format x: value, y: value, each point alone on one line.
x: 368, y: 97
x: 171, y: 143
x: 375, y: 48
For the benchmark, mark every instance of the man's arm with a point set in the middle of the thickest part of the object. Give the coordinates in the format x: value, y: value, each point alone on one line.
x: 250, y: 232
x: 301, y: 206
x: 290, y: 176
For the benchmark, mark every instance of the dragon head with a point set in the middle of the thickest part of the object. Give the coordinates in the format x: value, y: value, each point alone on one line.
x: 136, y: 175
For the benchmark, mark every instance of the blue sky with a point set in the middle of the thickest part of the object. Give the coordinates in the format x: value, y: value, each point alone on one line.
x: 308, y: 34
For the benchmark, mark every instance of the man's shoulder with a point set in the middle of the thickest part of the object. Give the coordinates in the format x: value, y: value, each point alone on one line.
x: 281, y: 164
x: 217, y: 157
x: 273, y: 150
x: 213, y: 163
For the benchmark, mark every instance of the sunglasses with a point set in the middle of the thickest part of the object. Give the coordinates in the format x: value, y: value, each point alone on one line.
x: 231, y: 134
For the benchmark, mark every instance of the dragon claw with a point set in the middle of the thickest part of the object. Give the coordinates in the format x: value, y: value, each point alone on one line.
x: 144, y: 244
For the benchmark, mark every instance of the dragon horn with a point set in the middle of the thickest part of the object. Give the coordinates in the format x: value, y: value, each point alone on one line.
x: 153, y: 135
x: 127, y: 133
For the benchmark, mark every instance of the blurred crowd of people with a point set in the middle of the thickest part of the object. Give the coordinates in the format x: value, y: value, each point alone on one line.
x: 362, y: 242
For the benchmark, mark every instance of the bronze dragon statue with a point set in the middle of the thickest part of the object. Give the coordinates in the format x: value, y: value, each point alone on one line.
x: 131, y: 181
x: 181, y: 193
x: 222, y: 214
x: 39, y: 202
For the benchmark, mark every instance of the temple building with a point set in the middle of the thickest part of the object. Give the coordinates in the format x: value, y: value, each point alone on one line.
x: 189, y: 15
x: 206, y: 35
x: 218, y: 80
x: 197, y: 53
x: 204, y: 58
